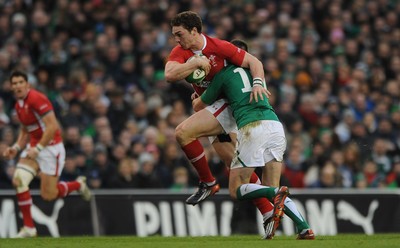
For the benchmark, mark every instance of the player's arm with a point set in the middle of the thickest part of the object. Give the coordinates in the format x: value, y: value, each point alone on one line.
x: 51, y: 124
x: 50, y: 121
x: 20, y: 144
x: 23, y: 137
x: 257, y: 72
x: 255, y: 66
x: 209, y: 96
x: 175, y: 71
x: 248, y: 61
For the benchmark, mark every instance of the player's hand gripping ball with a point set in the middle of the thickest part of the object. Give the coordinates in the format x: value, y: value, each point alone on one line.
x: 197, y: 75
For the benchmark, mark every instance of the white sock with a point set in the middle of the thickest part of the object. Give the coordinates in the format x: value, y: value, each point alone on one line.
x: 292, y: 207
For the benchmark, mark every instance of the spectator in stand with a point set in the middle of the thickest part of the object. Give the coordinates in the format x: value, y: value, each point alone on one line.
x: 329, y: 177
x: 346, y: 174
x: 70, y: 171
x: 72, y: 139
x: 180, y: 179
x: 370, y: 177
x: 118, y: 111
x: 380, y: 155
x: 146, y: 177
x: 126, y: 174
x: 294, y: 171
x: 62, y: 101
x: 127, y: 76
x: 393, y: 179
x: 101, y: 172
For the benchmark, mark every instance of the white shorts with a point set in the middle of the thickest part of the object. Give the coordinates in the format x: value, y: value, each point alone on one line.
x: 51, y: 159
x: 259, y: 143
x: 223, y: 113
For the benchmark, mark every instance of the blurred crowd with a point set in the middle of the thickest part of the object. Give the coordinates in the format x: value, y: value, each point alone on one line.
x: 333, y: 69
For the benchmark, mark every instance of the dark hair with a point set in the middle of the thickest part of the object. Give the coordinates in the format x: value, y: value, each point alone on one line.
x: 188, y: 20
x: 241, y: 44
x: 18, y: 74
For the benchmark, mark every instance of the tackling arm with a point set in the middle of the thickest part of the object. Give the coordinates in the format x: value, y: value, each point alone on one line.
x: 198, y: 104
x: 209, y: 96
x: 255, y: 66
x: 257, y: 72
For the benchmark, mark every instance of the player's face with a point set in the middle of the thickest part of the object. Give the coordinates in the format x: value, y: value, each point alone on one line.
x: 20, y: 87
x: 183, y: 37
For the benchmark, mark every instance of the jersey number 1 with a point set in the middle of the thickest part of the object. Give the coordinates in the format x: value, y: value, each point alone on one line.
x: 245, y: 79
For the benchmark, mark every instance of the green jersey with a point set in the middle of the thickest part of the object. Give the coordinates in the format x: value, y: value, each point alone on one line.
x: 235, y: 84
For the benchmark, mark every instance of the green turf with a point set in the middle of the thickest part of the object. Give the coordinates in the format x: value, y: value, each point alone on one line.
x: 340, y: 241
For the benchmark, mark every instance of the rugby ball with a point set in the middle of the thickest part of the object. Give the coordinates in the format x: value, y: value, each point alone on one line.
x: 197, y: 75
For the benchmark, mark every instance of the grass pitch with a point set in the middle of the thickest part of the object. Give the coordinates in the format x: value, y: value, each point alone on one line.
x: 235, y: 241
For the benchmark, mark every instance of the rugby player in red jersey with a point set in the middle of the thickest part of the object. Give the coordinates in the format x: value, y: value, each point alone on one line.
x: 42, y: 151
x: 217, y: 118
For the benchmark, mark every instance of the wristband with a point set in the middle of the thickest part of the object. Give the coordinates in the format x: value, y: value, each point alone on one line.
x: 258, y: 81
x: 16, y: 147
x: 39, y: 147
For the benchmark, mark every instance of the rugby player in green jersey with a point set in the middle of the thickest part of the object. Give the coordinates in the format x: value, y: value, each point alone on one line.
x: 261, y: 143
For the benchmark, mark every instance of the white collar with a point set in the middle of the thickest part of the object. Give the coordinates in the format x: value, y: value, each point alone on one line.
x: 204, y: 46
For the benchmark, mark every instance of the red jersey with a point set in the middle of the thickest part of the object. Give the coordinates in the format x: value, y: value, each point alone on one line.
x: 30, y: 112
x: 219, y: 52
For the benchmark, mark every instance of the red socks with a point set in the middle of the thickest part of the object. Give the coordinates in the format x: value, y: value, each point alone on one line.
x: 25, y: 200
x: 195, y: 153
x: 25, y: 203
x: 65, y: 188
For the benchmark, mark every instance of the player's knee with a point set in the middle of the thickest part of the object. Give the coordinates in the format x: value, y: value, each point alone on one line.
x: 23, y: 176
x: 181, y: 133
x: 178, y: 132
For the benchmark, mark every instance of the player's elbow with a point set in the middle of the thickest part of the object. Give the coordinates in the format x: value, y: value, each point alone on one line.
x: 170, y: 77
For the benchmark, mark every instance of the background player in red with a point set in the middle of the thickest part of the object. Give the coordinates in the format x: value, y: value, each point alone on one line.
x: 217, y: 118
x: 45, y: 152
